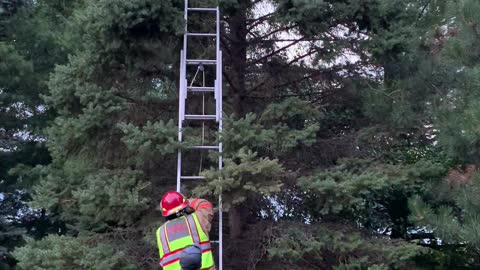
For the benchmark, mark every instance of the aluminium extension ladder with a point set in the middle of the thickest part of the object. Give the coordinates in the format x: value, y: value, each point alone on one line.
x: 216, y: 90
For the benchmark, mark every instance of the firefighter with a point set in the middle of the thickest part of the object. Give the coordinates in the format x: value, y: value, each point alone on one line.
x: 183, y: 241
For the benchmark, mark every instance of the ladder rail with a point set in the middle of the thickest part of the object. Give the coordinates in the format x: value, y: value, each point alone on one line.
x: 181, y: 112
x: 220, y: 128
x: 182, y: 95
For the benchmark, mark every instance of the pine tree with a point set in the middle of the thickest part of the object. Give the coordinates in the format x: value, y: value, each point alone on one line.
x: 103, y: 98
x: 450, y: 211
x: 29, y: 49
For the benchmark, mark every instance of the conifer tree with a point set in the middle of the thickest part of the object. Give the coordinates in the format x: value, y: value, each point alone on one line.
x: 450, y: 210
x: 29, y: 49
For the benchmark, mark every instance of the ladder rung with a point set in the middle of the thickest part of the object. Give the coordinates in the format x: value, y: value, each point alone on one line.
x: 205, y: 147
x: 201, y: 34
x: 200, y: 89
x: 201, y: 61
x: 214, y: 241
x: 200, y: 117
x: 192, y: 177
x: 202, y: 9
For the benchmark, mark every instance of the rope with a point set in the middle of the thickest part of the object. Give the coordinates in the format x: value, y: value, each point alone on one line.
x: 203, y: 122
x: 201, y: 68
x: 195, y: 76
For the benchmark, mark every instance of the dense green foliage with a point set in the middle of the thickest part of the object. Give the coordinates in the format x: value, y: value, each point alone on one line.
x: 61, y: 252
x: 338, y: 248
x: 350, y: 137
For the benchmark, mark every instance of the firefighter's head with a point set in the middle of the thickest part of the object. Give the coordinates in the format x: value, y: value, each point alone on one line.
x: 173, y: 203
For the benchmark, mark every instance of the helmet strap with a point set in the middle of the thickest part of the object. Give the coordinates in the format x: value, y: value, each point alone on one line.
x: 181, y: 213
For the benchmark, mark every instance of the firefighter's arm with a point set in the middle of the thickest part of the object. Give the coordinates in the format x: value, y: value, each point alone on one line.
x: 204, y: 212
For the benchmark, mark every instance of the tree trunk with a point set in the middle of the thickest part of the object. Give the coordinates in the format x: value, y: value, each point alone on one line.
x: 235, y: 222
x: 236, y: 57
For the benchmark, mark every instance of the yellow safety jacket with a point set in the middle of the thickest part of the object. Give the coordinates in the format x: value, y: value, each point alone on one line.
x: 176, y: 235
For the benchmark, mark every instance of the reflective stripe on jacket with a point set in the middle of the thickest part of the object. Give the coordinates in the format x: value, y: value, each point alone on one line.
x: 176, y: 235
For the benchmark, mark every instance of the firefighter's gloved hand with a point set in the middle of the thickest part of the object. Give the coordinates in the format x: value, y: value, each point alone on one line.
x: 189, y: 210
x: 191, y: 258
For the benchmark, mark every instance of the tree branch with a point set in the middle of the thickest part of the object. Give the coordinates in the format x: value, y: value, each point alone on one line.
x: 263, y: 37
x: 423, y: 9
x: 255, y: 22
x: 275, y: 52
x: 300, y: 57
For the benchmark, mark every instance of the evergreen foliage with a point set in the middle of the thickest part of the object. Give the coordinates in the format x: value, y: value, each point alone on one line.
x: 29, y: 49
x: 275, y: 133
x: 62, y: 252
x: 243, y: 174
x: 91, y: 199
x: 450, y: 211
x: 451, y: 215
x: 374, y: 195
x: 339, y: 248
x: 458, y: 111
x: 157, y: 138
x: 280, y: 128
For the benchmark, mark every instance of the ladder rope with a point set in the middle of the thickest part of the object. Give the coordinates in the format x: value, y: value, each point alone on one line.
x: 203, y: 124
x: 195, y: 76
x: 202, y: 69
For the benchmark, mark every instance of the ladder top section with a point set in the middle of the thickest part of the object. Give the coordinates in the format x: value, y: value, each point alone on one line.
x: 202, y: 9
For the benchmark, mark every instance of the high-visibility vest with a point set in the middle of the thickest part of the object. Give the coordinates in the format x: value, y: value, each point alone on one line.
x: 176, y: 235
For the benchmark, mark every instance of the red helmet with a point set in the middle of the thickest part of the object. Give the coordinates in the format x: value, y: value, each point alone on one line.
x: 172, y: 203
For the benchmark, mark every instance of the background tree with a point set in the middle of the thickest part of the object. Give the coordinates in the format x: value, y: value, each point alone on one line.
x: 30, y: 46
x: 450, y: 211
